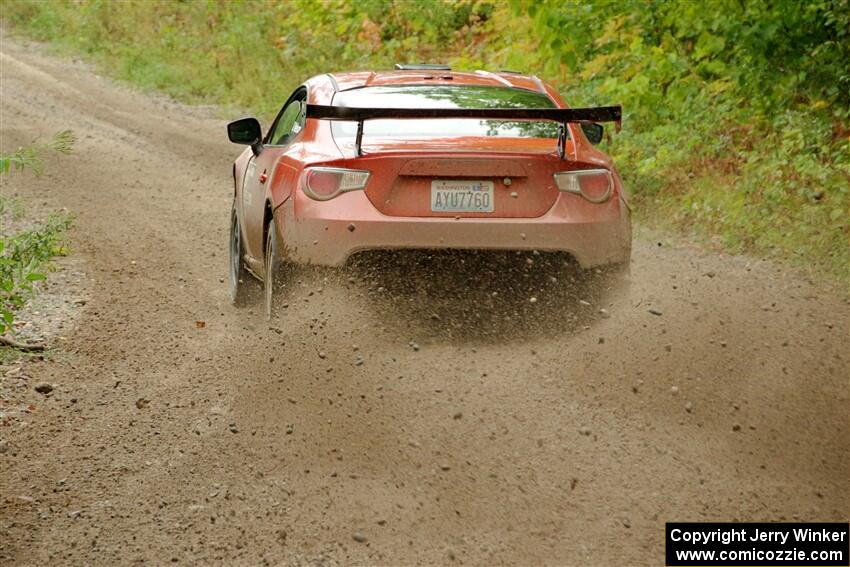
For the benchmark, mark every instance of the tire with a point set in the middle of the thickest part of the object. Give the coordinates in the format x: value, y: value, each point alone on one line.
x: 241, y: 284
x: 274, y: 279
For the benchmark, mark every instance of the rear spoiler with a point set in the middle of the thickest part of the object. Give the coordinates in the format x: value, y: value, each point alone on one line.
x: 561, y: 115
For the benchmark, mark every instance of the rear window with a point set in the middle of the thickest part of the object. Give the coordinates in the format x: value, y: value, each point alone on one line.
x: 444, y: 96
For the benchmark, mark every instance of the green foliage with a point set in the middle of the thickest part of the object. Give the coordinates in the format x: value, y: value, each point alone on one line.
x: 736, y: 113
x: 25, y: 254
x: 24, y: 260
x: 29, y: 157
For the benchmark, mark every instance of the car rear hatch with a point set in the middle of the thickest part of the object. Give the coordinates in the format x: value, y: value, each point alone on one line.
x: 444, y: 185
x: 455, y: 151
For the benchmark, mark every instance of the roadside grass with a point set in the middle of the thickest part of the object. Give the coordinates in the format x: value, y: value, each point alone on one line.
x: 773, y: 201
x: 26, y: 251
x: 720, y: 142
x: 27, y: 246
x: 30, y: 157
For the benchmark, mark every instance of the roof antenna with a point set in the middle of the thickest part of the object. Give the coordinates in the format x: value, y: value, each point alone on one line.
x: 421, y: 67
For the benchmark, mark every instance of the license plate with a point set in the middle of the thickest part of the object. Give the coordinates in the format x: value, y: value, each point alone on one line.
x: 459, y: 196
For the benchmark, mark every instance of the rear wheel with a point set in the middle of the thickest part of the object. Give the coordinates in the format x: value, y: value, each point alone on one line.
x: 242, y: 285
x: 275, y: 270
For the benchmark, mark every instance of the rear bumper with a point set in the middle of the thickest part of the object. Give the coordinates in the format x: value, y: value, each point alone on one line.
x: 327, y: 233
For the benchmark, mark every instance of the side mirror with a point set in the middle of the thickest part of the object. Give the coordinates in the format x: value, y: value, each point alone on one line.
x: 593, y: 132
x: 245, y: 131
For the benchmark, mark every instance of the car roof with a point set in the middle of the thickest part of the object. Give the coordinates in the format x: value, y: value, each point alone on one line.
x: 356, y: 80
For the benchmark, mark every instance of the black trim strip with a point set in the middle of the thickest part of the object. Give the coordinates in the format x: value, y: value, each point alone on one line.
x: 595, y: 114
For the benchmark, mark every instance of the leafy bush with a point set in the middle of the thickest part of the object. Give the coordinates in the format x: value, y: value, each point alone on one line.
x: 25, y: 254
x: 24, y: 259
x: 737, y: 112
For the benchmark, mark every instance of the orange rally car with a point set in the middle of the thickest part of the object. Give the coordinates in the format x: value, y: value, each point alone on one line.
x: 422, y: 157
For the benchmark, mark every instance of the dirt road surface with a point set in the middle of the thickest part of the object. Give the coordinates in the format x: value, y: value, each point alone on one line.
x: 387, y: 418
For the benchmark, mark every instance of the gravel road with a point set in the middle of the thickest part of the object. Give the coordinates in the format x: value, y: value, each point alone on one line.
x: 391, y: 414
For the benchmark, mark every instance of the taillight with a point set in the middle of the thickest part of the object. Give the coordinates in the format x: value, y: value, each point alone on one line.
x: 595, y: 185
x: 325, y: 183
